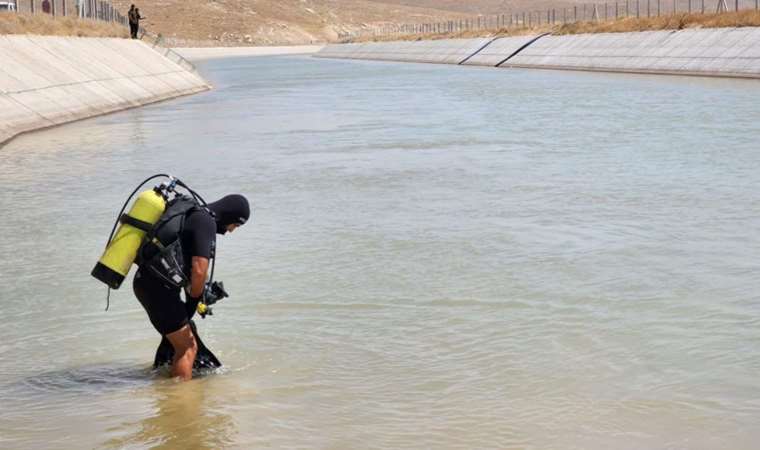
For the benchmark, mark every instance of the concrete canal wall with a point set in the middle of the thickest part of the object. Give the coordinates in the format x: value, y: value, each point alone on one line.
x: 732, y: 52
x: 500, y: 50
x: 50, y: 80
x: 205, y: 53
x: 444, y: 51
x: 725, y: 52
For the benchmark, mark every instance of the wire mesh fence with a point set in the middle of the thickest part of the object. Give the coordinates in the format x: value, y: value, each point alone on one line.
x: 587, y: 12
x: 87, y: 9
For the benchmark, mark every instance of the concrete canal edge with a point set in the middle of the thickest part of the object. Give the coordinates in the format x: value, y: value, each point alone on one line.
x: 50, y: 80
x: 715, y: 52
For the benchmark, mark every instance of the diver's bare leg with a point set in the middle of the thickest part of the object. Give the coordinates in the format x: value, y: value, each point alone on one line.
x: 185, y: 349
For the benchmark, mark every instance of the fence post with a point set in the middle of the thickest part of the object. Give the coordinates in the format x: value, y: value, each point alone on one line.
x: 649, y: 6
x: 626, y: 8
x: 658, y: 7
x: 689, y: 7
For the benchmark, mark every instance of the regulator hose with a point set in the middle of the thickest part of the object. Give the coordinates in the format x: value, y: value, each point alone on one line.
x: 123, y: 208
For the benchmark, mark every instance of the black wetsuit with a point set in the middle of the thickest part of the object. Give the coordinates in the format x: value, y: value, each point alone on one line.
x: 165, y: 308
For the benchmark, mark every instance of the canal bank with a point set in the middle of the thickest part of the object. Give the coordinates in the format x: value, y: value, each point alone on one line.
x: 51, y: 80
x: 715, y: 52
x: 206, y: 53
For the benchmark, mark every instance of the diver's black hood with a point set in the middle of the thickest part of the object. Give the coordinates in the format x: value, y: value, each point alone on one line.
x: 228, y: 210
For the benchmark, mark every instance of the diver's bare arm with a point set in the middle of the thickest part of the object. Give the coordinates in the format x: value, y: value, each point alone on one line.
x: 198, y: 276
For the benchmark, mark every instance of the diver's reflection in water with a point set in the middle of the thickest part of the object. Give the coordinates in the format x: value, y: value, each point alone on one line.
x: 184, y: 418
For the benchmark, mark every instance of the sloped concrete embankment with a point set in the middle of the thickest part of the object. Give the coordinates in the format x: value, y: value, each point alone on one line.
x: 449, y: 51
x: 47, y: 80
x: 724, y: 52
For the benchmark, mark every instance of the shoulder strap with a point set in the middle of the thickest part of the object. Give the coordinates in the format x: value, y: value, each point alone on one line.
x: 179, y: 207
x: 137, y: 223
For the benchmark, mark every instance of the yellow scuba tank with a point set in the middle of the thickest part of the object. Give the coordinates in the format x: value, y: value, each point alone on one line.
x: 121, y: 252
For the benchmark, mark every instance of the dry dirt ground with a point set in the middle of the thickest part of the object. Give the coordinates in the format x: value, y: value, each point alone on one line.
x: 44, y: 24
x: 281, y: 22
x: 747, y: 18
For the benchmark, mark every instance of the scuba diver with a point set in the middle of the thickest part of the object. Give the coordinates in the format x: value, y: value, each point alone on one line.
x: 172, y: 239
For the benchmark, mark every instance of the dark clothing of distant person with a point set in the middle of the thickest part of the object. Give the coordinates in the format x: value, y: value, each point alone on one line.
x: 134, y: 21
x: 46, y: 6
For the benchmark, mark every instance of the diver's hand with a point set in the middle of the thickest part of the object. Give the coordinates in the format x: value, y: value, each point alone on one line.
x: 214, y: 292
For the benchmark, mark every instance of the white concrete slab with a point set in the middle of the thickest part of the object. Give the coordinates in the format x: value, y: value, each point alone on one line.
x: 196, y: 54
x: 498, y: 50
x: 710, y: 51
x: 445, y: 51
x: 48, y: 80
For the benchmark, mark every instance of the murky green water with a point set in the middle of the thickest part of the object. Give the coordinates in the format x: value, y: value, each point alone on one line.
x: 440, y: 257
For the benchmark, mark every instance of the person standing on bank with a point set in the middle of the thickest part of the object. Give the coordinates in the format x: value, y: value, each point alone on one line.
x: 134, y: 21
x: 167, y: 312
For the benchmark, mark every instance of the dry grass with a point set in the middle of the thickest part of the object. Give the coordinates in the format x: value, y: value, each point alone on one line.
x: 623, y: 25
x: 675, y: 22
x: 12, y: 23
